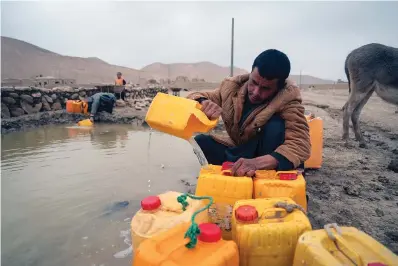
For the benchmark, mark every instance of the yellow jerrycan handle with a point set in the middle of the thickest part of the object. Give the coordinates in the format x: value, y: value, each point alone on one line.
x: 273, y: 215
x: 342, y: 244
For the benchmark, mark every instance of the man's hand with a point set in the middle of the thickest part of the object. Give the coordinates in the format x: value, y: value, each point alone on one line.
x: 248, y: 167
x: 211, y: 109
x: 244, y: 167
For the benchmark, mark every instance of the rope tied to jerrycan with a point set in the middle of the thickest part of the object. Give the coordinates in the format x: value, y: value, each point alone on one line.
x: 193, y: 231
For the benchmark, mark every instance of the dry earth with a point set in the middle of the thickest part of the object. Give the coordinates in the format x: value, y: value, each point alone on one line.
x: 356, y: 187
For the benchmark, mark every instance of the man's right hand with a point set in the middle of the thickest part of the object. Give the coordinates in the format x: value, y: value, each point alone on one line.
x: 211, y: 109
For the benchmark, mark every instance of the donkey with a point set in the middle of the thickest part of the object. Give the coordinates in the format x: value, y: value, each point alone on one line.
x: 371, y: 67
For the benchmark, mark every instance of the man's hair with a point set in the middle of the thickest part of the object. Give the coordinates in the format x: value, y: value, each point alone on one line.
x: 118, y: 73
x: 273, y: 64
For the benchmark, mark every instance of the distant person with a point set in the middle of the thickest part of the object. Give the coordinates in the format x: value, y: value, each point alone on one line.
x: 263, y: 116
x: 100, y: 102
x: 119, y: 81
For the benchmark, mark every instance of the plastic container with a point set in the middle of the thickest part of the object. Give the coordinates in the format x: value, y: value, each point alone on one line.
x: 215, y: 181
x: 169, y: 248
x: 336, y: 246
x: 316, y: 137
x: 76, y: 106
x: 177, y: 116
x: 162, y: 212
x: 271, y: 184
x: 85, y: 123
x: 266, y: 230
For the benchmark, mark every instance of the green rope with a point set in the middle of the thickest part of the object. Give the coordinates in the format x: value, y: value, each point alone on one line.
x: 193, y: 231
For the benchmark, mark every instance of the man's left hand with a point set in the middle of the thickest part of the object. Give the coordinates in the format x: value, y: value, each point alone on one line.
x: 248, y: 167
x: 244, y: 167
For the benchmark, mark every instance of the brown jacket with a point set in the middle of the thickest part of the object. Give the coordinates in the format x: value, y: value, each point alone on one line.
x: 231, y: 96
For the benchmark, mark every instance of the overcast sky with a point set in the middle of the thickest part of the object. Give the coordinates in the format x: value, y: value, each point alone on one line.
x: 315, y: 35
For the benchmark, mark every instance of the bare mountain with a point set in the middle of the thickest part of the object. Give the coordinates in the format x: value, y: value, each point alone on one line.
x: 201, y: 70
x: 22, y: 60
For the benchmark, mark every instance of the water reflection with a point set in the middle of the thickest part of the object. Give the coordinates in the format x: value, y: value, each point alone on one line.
x: 58, y: 182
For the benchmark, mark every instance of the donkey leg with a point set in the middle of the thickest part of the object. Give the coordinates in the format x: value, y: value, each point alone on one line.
x: 348, y: 108
x: 354, y: 99
x: 355, y: 118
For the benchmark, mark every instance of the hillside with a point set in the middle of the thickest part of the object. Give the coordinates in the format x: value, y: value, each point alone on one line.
x: 206, y: 70
x: 21, y: 60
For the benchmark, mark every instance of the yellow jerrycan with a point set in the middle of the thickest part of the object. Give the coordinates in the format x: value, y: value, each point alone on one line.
x: 267, y: 230
x: 188, y: 243
x: 178, y: 116
x: 271, y: 183
x: 316, y: 137
x: 162, y: 212
x: 216, y: 181
x: 85, y: 123
x: 337, y: 246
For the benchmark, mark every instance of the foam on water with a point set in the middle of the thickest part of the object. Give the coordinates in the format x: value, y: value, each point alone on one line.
x: 128, y: 251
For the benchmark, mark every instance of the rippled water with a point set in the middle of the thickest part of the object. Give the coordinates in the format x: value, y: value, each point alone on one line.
x: 61, y: 188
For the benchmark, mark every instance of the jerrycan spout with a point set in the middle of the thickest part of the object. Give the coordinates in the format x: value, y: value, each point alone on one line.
x: 178, y: 116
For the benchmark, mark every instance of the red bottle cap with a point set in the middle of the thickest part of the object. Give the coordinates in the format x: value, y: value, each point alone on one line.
x: 209, y: 232
x: 288, y: 176
x: 226, y: 166
x: 246, y: 213
x: 151, y: 203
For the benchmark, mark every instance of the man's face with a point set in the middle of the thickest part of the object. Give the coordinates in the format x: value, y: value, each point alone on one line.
x: 259, y: 88
x: 119, y: 76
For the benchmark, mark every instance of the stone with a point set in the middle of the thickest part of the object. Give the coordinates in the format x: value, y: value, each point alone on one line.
x: 120, y: 103
x: 351, y: 189
x: 17, y: 112
x: 75, y: 96
x: 56, y: 106
x: 14, y: 95
x: 138, y: 108
x: 36, y: 95
x: 44, y: 90
x: 27, y: 107
x: 54, y: 96
x: 26, y: 98
x: 37, y: 107
x: 127, y: 94
x: 379, y: 212
x: 5, y: 112
x: 48, y: 99
x: 393, y: 166
x: 46, y: 105
x: 82, y: 94
x: 8, y: 100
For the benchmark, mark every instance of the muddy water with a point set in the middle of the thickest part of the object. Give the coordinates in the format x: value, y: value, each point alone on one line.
x: 68, y: 194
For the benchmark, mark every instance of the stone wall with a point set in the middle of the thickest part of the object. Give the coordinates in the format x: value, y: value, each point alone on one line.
x: 18, y: 101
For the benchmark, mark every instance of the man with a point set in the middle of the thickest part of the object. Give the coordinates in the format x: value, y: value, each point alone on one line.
x: 263, y: 117
x: 119, y: 81
x: 99, y: 102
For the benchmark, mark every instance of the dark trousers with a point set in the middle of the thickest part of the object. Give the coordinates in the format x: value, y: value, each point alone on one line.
x: 265, y: 142
x: 106, y: 106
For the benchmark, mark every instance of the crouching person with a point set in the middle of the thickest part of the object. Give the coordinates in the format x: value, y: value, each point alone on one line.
x: 100, y: 102
x: 263, y: 116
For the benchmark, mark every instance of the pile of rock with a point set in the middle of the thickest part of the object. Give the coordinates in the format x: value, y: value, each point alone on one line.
x: 142, y: 93
x: 139, y: 104
x: 17, y: 101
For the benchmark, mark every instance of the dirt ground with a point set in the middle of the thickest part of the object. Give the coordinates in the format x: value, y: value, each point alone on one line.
x: 355, y: 186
